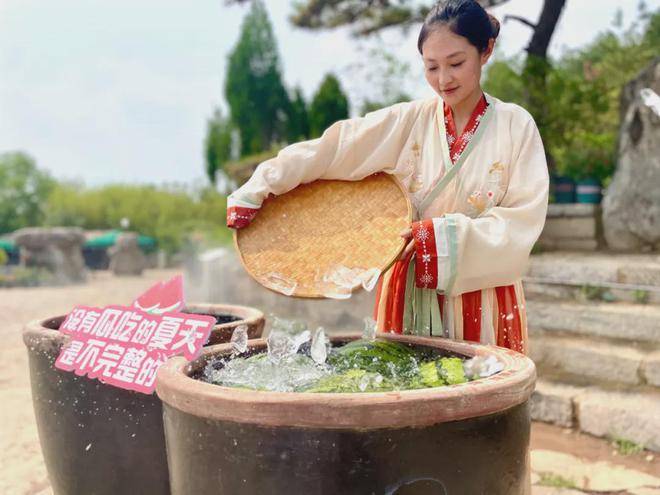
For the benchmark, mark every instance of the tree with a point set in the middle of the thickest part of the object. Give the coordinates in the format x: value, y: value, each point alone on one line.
x: 217, y: 144
x: 582, y: 94
x: 257, y: 98
x: 380, y: 78
x: 298, y: 128
x: 365, y: 17
x: 537, y: 65
x: 329, y: 105
x: 24, y: 190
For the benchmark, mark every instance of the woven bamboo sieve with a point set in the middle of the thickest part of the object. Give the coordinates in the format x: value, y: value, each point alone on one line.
x: 299, y: 237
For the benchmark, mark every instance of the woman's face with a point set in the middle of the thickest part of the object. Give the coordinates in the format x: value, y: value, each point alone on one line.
x: 453, y: 65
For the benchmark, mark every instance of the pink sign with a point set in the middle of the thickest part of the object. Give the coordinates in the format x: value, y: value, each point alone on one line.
x: 124, y: 347
x: 162, y: 297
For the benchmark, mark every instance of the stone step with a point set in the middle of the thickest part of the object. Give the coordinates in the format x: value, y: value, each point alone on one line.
x: 552, y: 290
x: 631, y: 415
x: 592, y: 269
x: 596, y: 361
x: 620, y: 321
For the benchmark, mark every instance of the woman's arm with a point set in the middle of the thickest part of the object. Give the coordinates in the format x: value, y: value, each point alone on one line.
x: 348, y: 150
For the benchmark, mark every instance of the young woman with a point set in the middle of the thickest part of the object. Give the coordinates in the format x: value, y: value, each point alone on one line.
x: 475, y: 171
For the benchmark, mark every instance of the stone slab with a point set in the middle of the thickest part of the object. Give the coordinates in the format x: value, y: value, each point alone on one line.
x: 633, y: 416
x: 553, y: 403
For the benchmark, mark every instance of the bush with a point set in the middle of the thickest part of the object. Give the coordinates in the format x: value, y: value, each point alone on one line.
x: 170, y: 214
x: 579, y: 117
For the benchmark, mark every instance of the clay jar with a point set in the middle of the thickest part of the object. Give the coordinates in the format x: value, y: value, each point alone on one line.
x: 229, y: 316
x: 98, y: 439
x: 463, y: 439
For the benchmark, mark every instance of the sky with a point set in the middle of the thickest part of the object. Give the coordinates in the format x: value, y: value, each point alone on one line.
x: 104, y: 91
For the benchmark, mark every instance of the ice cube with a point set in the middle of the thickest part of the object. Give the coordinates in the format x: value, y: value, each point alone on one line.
x: 369, y: 329
x: 280, y: 283
x: 239, y: 340
x: 319, y: 350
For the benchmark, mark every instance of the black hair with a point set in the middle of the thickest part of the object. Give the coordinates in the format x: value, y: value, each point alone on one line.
x: 464, y: 17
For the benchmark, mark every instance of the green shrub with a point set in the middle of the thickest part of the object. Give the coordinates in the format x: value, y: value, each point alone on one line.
x: 170, y: 214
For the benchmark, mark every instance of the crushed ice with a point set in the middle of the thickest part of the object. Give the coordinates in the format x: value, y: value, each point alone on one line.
x: 239, y: 340
x: 482, y: 367
x: 280, y: 283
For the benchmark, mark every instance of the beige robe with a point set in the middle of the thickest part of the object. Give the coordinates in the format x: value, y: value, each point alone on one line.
x: 490, y: 235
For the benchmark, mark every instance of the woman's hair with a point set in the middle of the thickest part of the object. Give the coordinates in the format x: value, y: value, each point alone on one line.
x: 465, y: 18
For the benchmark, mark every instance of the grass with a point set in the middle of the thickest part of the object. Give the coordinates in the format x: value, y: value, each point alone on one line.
x: 627, y: 447
x: 641, y: 296
x: 556, y: 481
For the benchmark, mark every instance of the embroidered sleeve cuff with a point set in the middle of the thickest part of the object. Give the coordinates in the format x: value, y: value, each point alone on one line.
x: 433, y: 267
x: 240, y: 213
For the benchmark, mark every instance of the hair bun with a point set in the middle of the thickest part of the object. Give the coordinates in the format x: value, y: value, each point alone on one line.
x: 495, y: 26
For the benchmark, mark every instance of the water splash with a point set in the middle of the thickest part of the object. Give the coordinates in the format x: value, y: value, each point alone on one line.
x: 280, y: 283
x: 482, y: 367
x: 370, y: 279
x: 340, y: 281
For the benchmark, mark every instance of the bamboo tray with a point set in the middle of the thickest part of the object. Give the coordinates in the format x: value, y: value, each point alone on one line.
x: 327, y: 238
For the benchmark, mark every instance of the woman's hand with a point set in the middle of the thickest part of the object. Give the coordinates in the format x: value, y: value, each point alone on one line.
x: 410, y: 246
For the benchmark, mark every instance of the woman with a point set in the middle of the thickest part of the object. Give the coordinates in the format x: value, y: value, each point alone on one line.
x: 475, y: 171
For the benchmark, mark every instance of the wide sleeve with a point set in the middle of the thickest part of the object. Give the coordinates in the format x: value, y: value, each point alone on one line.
x: 457, y: 254
x: 349, y: 149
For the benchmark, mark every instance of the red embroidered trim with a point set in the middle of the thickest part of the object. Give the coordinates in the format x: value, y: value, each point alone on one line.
x: 239, y: 216
x: 457, y: 144
x: 426, y: 255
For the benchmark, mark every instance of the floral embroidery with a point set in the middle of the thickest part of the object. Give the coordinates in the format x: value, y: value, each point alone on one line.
x: 416, y: 183
x: 426, y: 272
x: 426, y: 280
x: 482, y: 200
x: 496, y: 167
x: 423, y: 235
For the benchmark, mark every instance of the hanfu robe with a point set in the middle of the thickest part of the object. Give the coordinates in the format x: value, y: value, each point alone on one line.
x: 480, y: 201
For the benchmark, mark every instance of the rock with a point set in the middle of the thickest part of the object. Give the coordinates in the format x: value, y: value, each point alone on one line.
x: 632, y: 322
x: 631, y: 207
x: 553, y: 403
x: 589, y: 359
x: 57, y: 249
x: 126, y: 257
x: 549, y: 490
x: 598, y: 476
x: 572, y: 227
x: 651, y: 369
x: 625, y: 415
x: 218, y: 276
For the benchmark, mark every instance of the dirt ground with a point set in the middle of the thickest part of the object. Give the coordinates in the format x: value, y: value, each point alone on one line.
x: 22, y: 471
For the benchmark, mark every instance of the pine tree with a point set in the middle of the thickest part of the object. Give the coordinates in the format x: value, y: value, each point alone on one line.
x: 329, y: 105
x: 217, y: 144
x: 254, y: 90
x: 298, y: 128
